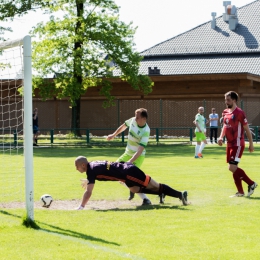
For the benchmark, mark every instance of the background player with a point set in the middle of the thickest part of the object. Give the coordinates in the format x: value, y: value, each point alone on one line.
x: 200, y: 132
x: 234, y: 125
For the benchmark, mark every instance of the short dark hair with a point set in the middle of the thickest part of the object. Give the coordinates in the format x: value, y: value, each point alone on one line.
x: 81, y: 159
x: 232, y: 94
x: 143, y: 112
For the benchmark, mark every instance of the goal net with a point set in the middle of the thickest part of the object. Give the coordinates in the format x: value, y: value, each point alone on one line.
x: 16, y: 172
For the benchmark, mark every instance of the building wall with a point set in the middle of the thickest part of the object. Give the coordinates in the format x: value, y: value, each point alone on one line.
x: 173, y: 102
x: 162, y: 113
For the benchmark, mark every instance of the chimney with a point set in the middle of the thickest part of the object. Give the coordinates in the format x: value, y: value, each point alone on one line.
x: 213, y: 21
x: 225, y: 15
x: 233, y: 21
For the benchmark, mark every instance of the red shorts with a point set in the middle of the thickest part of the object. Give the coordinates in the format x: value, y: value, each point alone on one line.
x: 234, y: 153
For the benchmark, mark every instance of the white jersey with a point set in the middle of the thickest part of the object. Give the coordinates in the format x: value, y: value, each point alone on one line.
x: 200, y: 119
x: 136, y: 136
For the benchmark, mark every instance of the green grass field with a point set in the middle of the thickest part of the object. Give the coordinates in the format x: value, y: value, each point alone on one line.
x: 214, y: 226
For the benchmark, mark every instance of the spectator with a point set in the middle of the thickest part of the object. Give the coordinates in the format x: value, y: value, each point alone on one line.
x: 213, y: 123
x: 36, y: 131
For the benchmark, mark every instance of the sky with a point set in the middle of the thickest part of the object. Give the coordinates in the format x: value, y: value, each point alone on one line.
x: 157, y: 20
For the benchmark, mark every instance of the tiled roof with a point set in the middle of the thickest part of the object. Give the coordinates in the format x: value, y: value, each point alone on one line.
x: 203, y: 39
x: 204, y: 64
x: 204, y: 50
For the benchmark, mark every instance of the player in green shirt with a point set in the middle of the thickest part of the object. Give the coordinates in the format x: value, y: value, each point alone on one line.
x: 138, y: 137
x: 200, y: 133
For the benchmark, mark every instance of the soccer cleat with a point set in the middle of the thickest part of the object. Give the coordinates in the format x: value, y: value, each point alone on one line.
x: 131, y: 196
x: 184, y: 198
x: 146, y: 202
x: 200, y: 155
x: 251, y: 189
x: 162, y: 198
x: 237, y: 195
x: 196, y: 156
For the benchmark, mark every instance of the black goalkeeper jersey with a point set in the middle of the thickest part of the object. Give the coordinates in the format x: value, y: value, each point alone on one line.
x: 108, y: 171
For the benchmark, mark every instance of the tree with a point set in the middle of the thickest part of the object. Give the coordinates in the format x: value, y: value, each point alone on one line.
x: 84, y: 44
x: 10, y: 9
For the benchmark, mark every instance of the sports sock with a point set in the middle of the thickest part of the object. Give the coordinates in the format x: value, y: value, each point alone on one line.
x: 36, y: 140
x: 201, y: 147
x: 197, y: 147
x: 142, y: 196
x: 167, y: 190
x: 163, y: 189
x: 242, y: 175
x: 238, y: 182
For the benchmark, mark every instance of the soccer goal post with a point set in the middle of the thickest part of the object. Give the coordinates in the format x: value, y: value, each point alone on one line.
x: 16, y: 123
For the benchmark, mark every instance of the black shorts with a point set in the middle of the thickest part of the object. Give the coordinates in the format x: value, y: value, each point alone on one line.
x: 136, y: 177
x: 35, y: 129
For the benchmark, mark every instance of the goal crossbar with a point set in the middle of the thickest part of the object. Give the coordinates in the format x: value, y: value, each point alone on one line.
x: 10, y: 44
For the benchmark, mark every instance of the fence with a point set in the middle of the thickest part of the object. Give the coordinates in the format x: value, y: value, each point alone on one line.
x: 55, y: 138
x: 163, y: 114
x: 170, y: 121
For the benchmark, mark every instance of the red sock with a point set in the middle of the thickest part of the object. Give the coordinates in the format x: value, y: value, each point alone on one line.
x: 242, y: 175
x: 238, y: 182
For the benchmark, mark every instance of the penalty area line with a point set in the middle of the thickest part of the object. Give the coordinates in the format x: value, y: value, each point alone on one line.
x: 97, y: 247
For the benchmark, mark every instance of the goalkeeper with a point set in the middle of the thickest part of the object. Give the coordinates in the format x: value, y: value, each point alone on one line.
x: 134, y: 178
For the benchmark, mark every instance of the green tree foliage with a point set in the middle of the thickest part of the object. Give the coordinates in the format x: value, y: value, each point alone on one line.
x: 84, y: 44
x: 9, y: 9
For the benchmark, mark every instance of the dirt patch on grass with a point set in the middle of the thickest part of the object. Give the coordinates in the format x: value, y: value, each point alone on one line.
x: 73, y: 204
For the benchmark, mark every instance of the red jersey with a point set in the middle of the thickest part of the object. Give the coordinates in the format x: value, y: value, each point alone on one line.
x: 233, y: 126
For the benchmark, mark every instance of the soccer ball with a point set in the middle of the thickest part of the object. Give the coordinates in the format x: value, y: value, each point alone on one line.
x: 46, y: 200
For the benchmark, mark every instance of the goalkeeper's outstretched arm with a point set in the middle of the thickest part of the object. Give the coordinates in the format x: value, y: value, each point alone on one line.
x: 86, y: 196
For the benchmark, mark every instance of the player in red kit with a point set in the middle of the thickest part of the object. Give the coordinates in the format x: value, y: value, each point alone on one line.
x: 234, y: 126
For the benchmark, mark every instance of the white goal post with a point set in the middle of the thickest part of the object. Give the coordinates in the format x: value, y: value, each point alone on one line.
x: 16, y: 103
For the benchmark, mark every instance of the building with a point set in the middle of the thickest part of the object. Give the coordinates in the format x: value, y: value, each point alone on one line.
x: 189, y: 70
x: 204, y: 63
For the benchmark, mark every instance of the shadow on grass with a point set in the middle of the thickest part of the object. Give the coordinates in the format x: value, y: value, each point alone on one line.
x: 252, y: 198
x: 212, y: 151
x: 65, y: 152
x: 143, y: 208
x: 63, y: 232
x: 104, y: 152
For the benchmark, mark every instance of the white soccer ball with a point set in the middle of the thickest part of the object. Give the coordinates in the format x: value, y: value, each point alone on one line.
x: 46, y: 200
